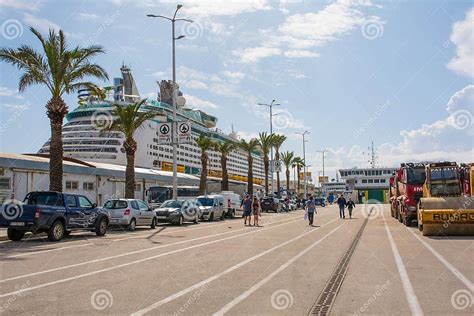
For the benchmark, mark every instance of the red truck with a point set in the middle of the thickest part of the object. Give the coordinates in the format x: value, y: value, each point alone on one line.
x: 406, y: 189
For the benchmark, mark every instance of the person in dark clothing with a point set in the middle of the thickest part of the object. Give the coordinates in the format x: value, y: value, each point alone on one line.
x: 247, y: 208
x: 341, y: 201
x: 311, y: 209
x: 350, y: 205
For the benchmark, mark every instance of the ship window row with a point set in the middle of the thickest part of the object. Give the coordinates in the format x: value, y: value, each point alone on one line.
x: 373, y: 180
x: 101, y: 149
x: 367, y: 172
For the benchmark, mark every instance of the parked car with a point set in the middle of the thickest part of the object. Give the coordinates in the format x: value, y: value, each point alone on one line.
x: 231, y: 203
x: 177, y: 212
x: 270, y: 204
x: 130, y: 213
x: 57, y: 214
x: 320, y: 201
x: 211, y: 206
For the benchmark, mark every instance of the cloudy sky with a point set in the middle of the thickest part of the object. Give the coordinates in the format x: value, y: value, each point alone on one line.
x: 398, y: 73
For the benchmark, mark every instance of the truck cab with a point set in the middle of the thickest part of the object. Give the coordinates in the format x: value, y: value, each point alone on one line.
x: 410, y: 180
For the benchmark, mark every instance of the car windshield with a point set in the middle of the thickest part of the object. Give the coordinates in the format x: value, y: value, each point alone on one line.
x: 416, y: 176
x: 443, y: 174
x: 52, y: 199
x: 115, y: 204
x: 171, y: 204
x: 205, y: 201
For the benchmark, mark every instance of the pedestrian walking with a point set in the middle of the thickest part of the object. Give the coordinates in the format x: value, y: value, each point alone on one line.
x: 247, y: 208
x: 341, y: 201
x: 310, y: 210
x: 350, y: 205
x: 256, y: 211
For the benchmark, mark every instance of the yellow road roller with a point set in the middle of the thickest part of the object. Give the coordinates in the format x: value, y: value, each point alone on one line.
x: 444, y: 208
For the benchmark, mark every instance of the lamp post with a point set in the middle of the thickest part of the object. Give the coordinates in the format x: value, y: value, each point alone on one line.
x: 173, y: 91
x: 324, y: 151
x: 270, y: 106
x: 304, y: 159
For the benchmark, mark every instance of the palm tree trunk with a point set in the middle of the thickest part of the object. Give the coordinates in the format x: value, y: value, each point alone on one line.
x: 287, y: 179
x: 277, y: 157
x: 266, y: 164
x: 130, y: 146
x: 225, y: 175
x: 56, y: 110
x: 298, y: 177
x: 203, y: 179
x: 250, y: 174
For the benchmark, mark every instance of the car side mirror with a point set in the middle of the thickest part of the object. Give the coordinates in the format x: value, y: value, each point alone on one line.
x: 94, y: 205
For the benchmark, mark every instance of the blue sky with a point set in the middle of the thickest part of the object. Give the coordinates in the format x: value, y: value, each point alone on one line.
x: 398, y: 73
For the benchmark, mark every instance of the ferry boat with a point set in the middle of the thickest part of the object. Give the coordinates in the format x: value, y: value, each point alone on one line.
x: 86, y: 136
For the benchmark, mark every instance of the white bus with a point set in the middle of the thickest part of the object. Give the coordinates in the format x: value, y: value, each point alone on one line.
x: 157, y: 194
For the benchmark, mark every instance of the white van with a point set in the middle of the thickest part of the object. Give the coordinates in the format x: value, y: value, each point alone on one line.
x: 211, y: 206
x: 231, y: 203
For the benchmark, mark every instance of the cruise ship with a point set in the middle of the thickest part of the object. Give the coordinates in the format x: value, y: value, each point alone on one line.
x: 86, y: 136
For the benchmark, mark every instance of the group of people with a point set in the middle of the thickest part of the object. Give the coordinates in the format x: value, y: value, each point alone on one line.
x: 343, y: 203
x: 251, y: 206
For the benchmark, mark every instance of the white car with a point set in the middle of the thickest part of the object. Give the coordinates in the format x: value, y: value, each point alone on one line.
x: 130, y: 213
x: 231, y: 203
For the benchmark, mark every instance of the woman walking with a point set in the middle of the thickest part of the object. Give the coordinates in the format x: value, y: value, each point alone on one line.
x: 256, y: 211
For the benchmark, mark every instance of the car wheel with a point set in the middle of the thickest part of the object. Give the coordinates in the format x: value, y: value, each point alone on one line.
x: 153, y: 223
x: 132, y: 225
x: 56, y: 231
x: 232, y: 215
x: 222, y: 216
x: 420, y: 227
x: 196, y: 219
x: 15, y: 235
x: 211, y: 217
x: 180, y: 221
x: 407, y: 221
x: 101, y: 228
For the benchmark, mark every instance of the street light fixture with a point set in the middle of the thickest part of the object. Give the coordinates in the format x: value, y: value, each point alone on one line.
x: 271, y: 105
x: 173, y: 97
x: 304, y: 160
x: 323, y: 152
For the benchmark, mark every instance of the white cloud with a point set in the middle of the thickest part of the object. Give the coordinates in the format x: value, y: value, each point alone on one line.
x: 195, y: 84
x: 223, y: 7
x: 194, y: 102
x: 463, y: 38
x: 21, y: 5
x: 234, y: 75
x: 251, y: 55
x: 6, y: 92
x: 14, y: 107
x: 300, y: 54
x: 84, y: 16
x: 41, y: 24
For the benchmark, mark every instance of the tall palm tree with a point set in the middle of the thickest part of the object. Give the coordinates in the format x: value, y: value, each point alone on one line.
x: 205, y: 144
x: 249, y: 147
x: 224, y: 148
x: 287, y: 158
x: 278, y: 140
x: 265, y: 142
x: 128, y: 120
x: 298, y: 162
x: 62, y: 71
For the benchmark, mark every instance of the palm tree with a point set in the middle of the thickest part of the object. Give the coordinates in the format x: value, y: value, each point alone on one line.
x: 287, y: 158
x: 265, y: 141
x: 298, y: 162
x: 128, y: 120
x: 224, y: 148
x: 62, y: 71
x: 205, y: 144
x: 278, y: 140
x: 249, y: 147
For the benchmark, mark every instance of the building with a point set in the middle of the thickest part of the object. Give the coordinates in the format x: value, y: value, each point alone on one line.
x: 371, y: 184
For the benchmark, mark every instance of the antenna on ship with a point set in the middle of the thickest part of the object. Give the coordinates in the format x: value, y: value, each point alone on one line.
x: 373, y: 155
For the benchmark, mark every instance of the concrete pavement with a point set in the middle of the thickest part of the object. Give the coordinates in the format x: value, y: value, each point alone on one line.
x: 226, y: 268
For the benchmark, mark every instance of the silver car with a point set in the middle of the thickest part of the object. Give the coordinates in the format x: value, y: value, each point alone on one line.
x: 211, y: 206
x: 130, y: 213
x: 177, y: 212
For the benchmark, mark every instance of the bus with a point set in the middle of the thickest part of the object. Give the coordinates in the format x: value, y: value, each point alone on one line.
x: 157, y: 194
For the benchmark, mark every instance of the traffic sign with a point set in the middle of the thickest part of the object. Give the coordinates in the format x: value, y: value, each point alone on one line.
x: 183, y: 132
x: 276, y: 166
x: 164, y: 134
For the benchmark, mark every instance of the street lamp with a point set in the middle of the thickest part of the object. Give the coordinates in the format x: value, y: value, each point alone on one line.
x: 271, y: 105
x: 304, y: 159
x: 323, y: 152
x: 173, y: 91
